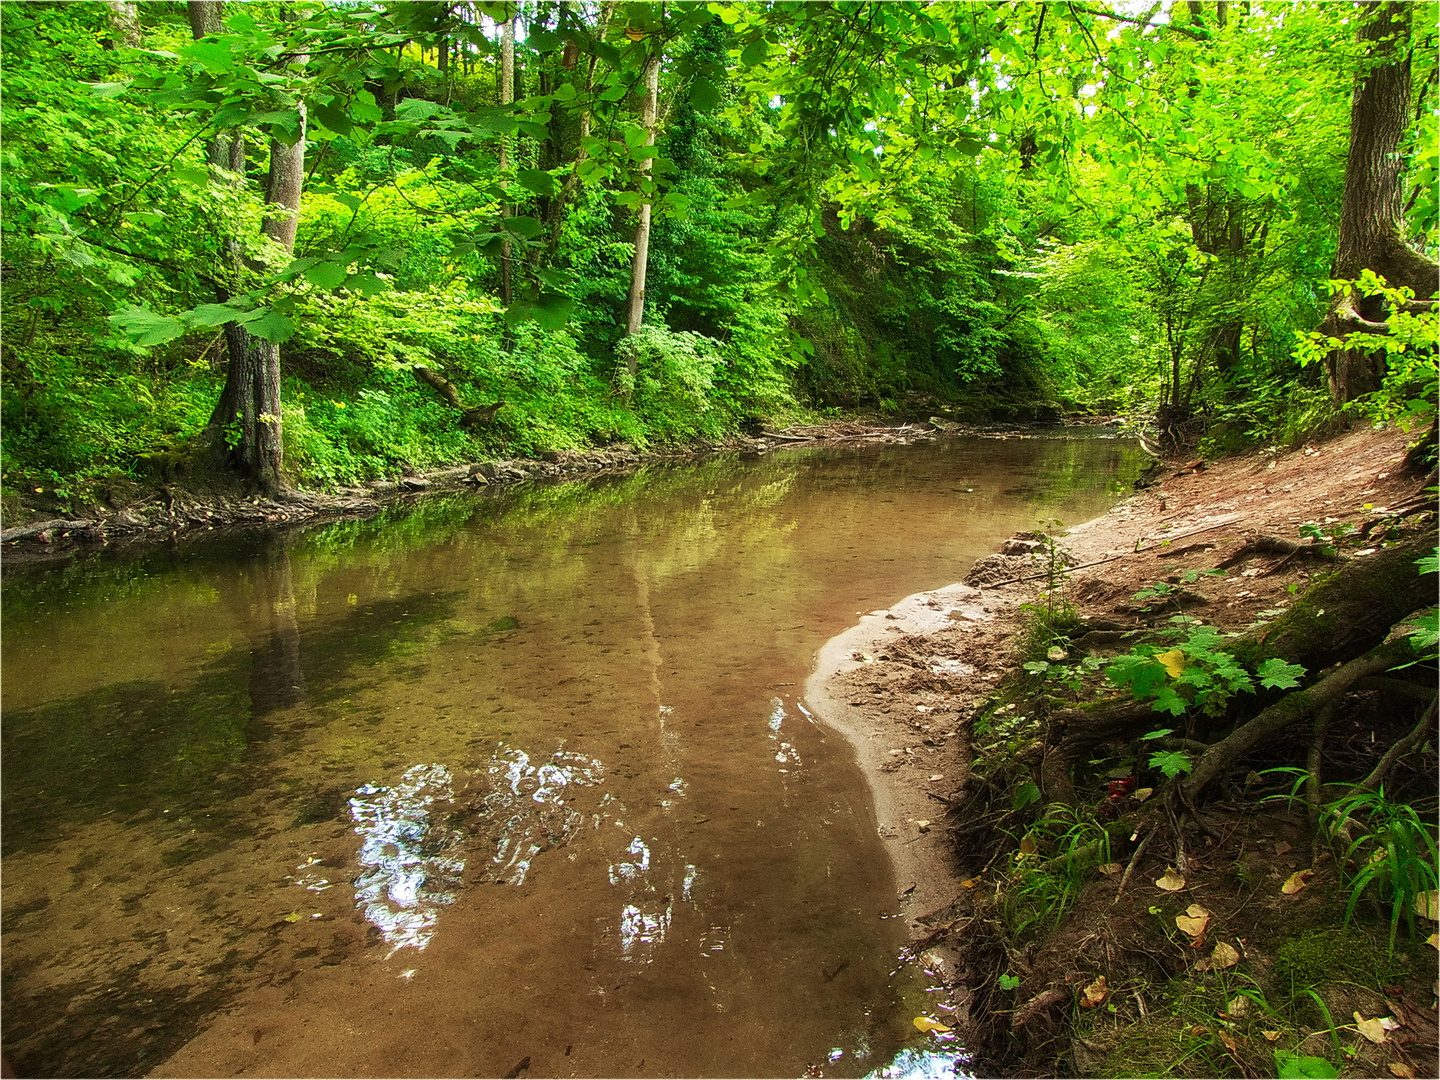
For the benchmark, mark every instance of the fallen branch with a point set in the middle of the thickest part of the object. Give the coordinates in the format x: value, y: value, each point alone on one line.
x: 24, y: 532
x: 472, y: 416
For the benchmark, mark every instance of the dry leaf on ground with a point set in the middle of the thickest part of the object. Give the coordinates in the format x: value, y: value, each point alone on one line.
x: 1297, y: 881
x: 1094, y: 994
x: 1374, y: 1029
x: 1194, y: 921
x: 1427, y: 905
x: 1224, y: 956
x: 924, y: 1023
x: 1170, y: 881
x: 1400, y: 1069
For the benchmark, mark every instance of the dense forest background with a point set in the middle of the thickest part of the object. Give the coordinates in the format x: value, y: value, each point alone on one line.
x: 310, y: 244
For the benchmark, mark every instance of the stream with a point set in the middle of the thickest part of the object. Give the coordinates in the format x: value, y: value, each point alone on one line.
x: 515, y: 782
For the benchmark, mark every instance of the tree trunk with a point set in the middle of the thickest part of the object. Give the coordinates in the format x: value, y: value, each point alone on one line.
x: 507, y: 97
x: 636, y: 315
x: 245, y: 427
x: 125, y: 21
x: 1372, y: 213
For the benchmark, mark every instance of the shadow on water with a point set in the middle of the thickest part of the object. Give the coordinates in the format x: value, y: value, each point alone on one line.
x: 265, y: 778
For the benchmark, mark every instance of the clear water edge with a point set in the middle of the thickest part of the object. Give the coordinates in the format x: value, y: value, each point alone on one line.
x: 531, y: 775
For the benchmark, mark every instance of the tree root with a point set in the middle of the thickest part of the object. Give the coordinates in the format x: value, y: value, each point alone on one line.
x: 1399, y: 750
x: 1290, y: 710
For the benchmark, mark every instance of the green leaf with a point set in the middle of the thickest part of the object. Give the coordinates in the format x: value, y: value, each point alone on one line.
x: 326, y: 275
x: 144, y: 327
x: 537, y: 180
x: 1290, y: 1066
x: 413, y: 110
x: 754, y: 53
x: 553, y: 311
x: 367, y: 285
x: 1279, y: 675
x: 332, y: 118
x: 1026, y: 794
x: 108, y: 89
x: 210, y: 315
x: 544, y: 41
x: 525, y: 227
x: 704, y: 94
x: 272, y: 326
x: 1172, y: 763
x: 190, y: 174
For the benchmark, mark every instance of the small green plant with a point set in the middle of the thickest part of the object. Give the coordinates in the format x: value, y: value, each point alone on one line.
x: 1394, y: 853
x: 1069, y: 844
x: 1289, y: 1066
x: 1327, y: 538
x: 1008, y: 981
x: 1194, y: 673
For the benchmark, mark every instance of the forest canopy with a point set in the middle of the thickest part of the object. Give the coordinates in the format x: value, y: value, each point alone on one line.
x: 311, y: 244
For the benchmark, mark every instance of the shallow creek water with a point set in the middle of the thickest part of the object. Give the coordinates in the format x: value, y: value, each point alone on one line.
x: 492, y: 779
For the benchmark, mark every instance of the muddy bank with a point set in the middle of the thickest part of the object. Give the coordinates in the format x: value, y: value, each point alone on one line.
x: 952, y: 732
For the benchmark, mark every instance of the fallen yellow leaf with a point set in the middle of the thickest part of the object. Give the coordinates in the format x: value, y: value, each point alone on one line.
x: 1433, y: 941
x: 970, y: 883
x: 924, y: 1023
x: 1297, y: 881
x: 294, y: 916
x: 1110, y: 868
x: 1238, y: 1006
x: 1373, y: 1030
x: 1173, y: 662
x: 1094, y: 994
x: 1141, y: 794
x: 1427, y: 905
x: 1227, y: 1039
x: 1400, y: 1069
x: 1224, y: 955
x: 1170, y: 881
x: 1194, y: 921
x: 1273, y: 1036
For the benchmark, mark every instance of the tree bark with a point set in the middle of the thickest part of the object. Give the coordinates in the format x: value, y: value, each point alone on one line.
x: 507, y: 97
x: 125, y: 21
x: 245, y: 427
x: 1372, y: 212
x: 635, y: 317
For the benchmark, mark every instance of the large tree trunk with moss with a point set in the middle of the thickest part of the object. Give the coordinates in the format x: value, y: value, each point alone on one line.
x: 1372, y: 212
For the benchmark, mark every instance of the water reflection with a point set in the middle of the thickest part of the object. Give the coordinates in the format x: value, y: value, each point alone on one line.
x: 527, y: 806
x: 570, y: 690
x: 914, y: 1064
x: 414, y: 863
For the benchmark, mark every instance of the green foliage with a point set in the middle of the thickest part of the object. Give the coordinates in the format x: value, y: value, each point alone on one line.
x: 1392, y: 854
x: 1194, y: 672
x: 1056, y: 856
x: 1409, y: 352
x: 1291, y: 1066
